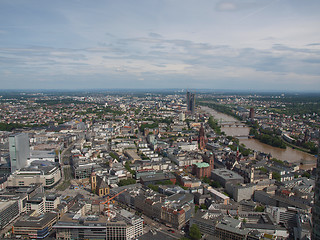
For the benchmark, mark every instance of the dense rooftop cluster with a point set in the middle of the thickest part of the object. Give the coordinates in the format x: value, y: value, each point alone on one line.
x: 105, y: 166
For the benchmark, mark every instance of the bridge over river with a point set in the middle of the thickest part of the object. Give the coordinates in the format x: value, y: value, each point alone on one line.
x: 232, y: 124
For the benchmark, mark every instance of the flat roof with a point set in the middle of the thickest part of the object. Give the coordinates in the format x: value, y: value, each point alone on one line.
x: 6, y: 204
x: 226, y: 174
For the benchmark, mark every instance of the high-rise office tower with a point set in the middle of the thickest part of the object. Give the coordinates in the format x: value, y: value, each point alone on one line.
x: 19, y: 150
x: 251, y: 114
x: 316, y: 207
x: 191, y: 102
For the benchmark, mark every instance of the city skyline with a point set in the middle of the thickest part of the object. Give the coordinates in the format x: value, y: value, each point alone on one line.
x: 236, y: 45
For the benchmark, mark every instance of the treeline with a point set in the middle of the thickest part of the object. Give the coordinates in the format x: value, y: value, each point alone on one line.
x: 155, y: 124
x: 147, y: 125
x: 243, y: 150
x: 299, y: 108
x: 104, y: 110
x: 268, y: 137
x: 11, y: 126
x: 311, y: 146
x: 60, y: 101
x: 214, y: 125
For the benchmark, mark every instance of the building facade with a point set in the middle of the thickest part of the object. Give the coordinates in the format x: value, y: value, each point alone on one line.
x: 48, y: 175
x: 19, y: 150
x: 191, y: 102
x: 9, y: 211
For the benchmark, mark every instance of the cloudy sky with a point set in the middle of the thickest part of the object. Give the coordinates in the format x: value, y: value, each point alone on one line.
x: 204, y: 44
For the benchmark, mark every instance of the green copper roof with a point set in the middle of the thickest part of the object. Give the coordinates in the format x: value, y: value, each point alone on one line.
x: 202, y: 165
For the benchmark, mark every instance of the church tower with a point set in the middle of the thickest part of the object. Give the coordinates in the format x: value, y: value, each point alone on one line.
x: 202, y: 139
x: 93, y: 181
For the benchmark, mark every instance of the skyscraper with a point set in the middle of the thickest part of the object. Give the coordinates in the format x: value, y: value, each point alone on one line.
x: 316, y: 207
x: 19, y: 150
x: 251, y: 114
x: 191, y: 102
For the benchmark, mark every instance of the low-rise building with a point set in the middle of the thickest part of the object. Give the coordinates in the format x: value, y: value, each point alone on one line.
x: 224, y: 176
x: 230, y: 229
x: 218, y: 196
x: 34, y: 225
x: 46, y: 173
x: 9, y: 210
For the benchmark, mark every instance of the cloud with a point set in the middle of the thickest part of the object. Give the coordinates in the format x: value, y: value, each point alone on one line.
x: 130, y: 61
x: 155, y: 35
x: 226, y: 6
x: 313, y: 44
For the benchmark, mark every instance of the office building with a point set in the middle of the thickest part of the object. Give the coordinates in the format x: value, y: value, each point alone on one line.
x: 9, y: 210
x: 191, y: 102
x: 251, y: 114
x: 230, y: 229
x: 125, y: 226
x: 34, y: 225
x: 224, y: 176
x: 19, y: 150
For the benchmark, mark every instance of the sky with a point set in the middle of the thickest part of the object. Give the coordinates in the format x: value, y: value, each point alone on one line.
x: 188, y: 44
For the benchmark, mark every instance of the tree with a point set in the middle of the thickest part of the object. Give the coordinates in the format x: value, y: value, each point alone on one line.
x: 125, y: 182
x: 259, y: 208
x: 196, y: 208
x: 276, y: 176
x: 195, y: 232
x: 206, y: 180
x: 203, y: 206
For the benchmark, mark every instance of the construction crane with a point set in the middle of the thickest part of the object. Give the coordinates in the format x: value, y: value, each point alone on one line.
x: 109, y: 199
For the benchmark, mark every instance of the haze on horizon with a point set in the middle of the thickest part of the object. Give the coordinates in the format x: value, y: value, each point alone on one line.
x: 207, y: 44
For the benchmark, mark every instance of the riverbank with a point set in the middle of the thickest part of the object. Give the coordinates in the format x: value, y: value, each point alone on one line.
x: 264, y: 136
x: 306, y: 160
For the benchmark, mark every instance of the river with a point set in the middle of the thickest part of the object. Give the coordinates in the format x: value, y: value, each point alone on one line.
x: 306, y: 161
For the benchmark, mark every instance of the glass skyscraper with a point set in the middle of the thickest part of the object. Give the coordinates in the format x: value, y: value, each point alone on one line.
x: 19, y: 150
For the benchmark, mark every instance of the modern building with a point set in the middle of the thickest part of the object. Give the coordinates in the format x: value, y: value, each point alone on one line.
x: 230, y: 229
x: 316, y: 207
x: 191, y: 102
x: 35, y: 226
x: 224, y: 176
x: 125, y: 226
x: 41, y: 203
x: 206, y: 222
x: 40, y: 172
x: 9, y: 210
x: 251, y: 114
x: 157, y: 177
x: 240, y: 192
x: 219, y: 197
x: 122, y: 226
x: 19, y: 150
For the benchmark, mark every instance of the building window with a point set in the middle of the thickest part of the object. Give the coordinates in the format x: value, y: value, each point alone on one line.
x: 50, y: 181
